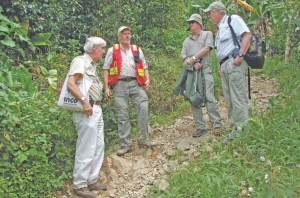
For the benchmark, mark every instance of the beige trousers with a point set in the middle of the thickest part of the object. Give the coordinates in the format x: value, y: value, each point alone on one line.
x: 234, y: 90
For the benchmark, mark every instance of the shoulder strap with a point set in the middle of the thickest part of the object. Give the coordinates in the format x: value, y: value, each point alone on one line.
x: 237, y: 43
x: 135, y: 52
x: 232, y: 33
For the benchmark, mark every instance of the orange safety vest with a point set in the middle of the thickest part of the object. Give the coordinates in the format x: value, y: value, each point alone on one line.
x: 115, y: 67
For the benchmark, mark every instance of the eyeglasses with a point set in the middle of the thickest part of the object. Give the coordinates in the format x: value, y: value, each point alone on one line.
x: 192, y: 22
x: 209, y: 13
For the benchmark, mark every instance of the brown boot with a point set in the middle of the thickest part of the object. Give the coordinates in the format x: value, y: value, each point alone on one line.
x: 123, y: 150
x: 97, y: 186
x: 218, y: 131
x: 199, y: 133
x: 84, y: 192
x: 147, y: 144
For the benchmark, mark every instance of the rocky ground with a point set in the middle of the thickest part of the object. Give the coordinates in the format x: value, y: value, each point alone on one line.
x: 131, y: 175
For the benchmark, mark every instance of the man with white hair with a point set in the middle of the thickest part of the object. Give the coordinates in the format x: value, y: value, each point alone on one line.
x: 89, y: 124
x: 125, y: 70
x: 198, y: 46
x: 232, y: 67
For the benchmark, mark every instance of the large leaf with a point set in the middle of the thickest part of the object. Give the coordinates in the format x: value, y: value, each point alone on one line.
x: 51, y: 75
x: 297, y: 22
x: 4, y: 28
x: 41, y: 39
x: 8, y: 42
x: 52, y: 78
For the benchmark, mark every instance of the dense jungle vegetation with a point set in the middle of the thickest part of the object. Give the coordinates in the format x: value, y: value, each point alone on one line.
x: 39, y: 38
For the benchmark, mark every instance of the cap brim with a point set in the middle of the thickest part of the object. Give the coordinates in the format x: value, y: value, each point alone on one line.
x: 207, y: 10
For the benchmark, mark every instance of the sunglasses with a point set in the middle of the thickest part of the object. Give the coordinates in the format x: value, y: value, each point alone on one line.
x: 192, y: 22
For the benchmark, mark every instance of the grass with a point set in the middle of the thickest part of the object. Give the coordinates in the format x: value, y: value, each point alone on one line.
x: 263, y: 162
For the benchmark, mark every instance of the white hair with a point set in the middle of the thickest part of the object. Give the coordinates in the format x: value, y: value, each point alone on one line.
x: 93, y: 42
x: 221, y: 11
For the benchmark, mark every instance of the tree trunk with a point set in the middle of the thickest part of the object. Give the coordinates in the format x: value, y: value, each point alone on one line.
x: 288, y: 42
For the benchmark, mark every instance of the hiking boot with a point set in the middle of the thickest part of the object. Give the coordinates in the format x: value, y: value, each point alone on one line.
x: 84, y: 192
x: 147, y: 144
x: 199, y: 132
x: 97, y: 186
x: 123, y: 150
x: 218, y: 131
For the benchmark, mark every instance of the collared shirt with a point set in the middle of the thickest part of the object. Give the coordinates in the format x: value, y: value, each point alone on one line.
x: 224, y: 41
x: 85, y: 63
x: 191, y: 46
x: 128, y: 64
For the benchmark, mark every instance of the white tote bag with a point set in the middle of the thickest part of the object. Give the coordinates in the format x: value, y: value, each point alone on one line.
x: 67, y: 100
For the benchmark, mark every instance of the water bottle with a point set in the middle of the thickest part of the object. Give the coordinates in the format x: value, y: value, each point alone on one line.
x: 253, y: 38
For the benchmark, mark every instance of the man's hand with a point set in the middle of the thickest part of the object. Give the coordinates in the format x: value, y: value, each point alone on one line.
x: 107, y: 94
x: 147, y: 83
x: 88, y: 110
x: 238, y: 60
x: 197, y: 65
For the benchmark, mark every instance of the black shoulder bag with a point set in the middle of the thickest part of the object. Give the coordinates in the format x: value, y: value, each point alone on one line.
x: 253, y: 59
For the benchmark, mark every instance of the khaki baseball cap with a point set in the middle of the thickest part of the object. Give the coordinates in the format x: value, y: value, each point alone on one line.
x: 197, y: 18
x: 123, y: 28
x: 215, y: 6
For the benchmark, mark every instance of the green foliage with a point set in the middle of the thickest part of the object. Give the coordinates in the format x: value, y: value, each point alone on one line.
x: 34, y: 144
x: 11, y: 33
x: 79, y: 19
x: 41, y: 39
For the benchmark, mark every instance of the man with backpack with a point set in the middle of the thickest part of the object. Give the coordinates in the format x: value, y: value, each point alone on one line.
x: 232, y: 67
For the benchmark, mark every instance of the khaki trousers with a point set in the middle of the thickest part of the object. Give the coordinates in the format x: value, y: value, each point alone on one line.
x: 211, y: 105
x: 122, y: 92
x: 234, y: 90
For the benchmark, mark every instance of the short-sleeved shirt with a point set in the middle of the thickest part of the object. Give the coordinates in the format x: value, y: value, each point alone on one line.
x: 85, y: 63
x: 191, y: 46
x: 128, y: 65
x: 224, y: 41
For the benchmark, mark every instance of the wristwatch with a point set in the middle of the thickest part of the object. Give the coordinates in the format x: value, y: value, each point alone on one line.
x: 194, y: 57
x: 82, y: 98
x: 241, y: 54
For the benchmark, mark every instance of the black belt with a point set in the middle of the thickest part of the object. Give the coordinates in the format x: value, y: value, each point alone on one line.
x: 93, y: 102
x: 127, y: 79
x: 225, y: 59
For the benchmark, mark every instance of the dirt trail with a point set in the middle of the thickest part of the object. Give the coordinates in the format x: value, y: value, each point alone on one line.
x: 130, y: 176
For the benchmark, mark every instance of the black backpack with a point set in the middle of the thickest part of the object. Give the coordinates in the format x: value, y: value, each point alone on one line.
x: 255, y: 56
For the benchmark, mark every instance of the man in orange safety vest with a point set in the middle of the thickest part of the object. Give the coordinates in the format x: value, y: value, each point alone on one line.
x: 125, y: 70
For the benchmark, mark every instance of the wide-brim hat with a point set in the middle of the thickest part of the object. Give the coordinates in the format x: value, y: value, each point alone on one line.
x: 197, y: 18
